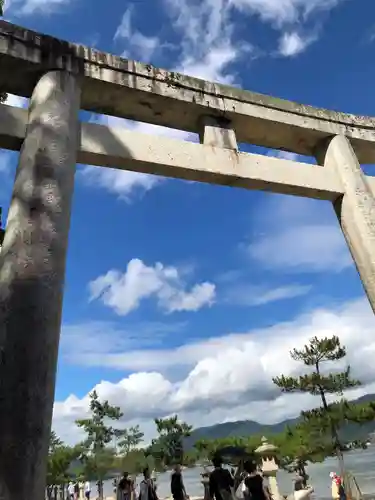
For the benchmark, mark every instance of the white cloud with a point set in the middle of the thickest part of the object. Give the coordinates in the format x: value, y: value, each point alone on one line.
x: 123, y: 292
x: 125, y: 184
x: 228, y: 377
x: 207, y: 48
x: 29, y: 7
x: 299, y: 235
x: 207, y: 51
x: 245, y: 295
x: 292, y: 44
x: 281, y: 12
x: 140, y: 45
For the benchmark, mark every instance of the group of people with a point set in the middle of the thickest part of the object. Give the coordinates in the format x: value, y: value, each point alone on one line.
x: 74, y: 490
x: 126, y: 488
x: 221, y: 483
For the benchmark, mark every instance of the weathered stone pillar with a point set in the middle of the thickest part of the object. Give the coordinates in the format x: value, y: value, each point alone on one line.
x: 355, y: 210
x: 32, y: 268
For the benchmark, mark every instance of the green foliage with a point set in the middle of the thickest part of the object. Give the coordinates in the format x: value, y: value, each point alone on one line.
x: 134, y: 462
x: 129, y: 438
x: 54, y: 442
x: 207, y: 448
x: 319, y: 350
x: 1, y: 7
x: 98, y: 433
x: 168, y: 448
x: 60, y: 457
x: 98, y: 458
x: 301, y: 444
x: 98, y: 466
x: 315, y: 383
x: 317, y: 436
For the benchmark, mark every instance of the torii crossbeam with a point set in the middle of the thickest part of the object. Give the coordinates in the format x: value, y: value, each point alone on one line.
x: 61, y: 78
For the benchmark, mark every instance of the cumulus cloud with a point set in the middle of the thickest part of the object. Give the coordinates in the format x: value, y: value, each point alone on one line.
x: 228, y: 377
x: 303, y: 237
x: 123, y: 292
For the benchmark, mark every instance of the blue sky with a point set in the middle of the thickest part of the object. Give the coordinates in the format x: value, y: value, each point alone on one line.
x: 187, y: 297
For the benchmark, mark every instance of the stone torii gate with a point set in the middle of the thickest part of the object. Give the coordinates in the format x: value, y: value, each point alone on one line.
x: 61, y: 78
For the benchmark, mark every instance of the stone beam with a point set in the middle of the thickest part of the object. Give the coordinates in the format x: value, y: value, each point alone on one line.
x: 128, y: 89
x: 129, y: 150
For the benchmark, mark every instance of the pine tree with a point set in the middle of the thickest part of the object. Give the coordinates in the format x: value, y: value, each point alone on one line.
x: 99, y: 436
x: 168, y: 448
x: 328, y: 418
x: 129, y: 438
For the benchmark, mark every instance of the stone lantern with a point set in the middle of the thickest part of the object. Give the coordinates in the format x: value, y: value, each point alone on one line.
x: 269, y: 466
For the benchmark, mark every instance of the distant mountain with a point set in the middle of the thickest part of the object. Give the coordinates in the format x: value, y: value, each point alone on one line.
x: 243, y: 428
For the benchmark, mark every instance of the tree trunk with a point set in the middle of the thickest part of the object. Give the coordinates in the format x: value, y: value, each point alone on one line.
x: 334, y: 433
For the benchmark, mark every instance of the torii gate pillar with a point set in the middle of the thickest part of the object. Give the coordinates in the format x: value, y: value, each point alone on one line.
x: 32, y: 271
x: 355, y: 209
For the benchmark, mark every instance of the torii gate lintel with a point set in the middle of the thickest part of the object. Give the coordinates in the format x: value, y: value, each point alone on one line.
x: 62, y: 78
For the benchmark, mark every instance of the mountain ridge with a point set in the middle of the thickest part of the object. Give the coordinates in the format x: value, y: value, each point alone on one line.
x: 243, y: 428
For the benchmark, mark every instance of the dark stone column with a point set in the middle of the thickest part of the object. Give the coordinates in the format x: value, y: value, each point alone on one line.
x: 32, y: 269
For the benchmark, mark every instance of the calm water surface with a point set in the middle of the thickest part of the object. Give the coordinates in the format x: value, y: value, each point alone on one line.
x: 361, y: 463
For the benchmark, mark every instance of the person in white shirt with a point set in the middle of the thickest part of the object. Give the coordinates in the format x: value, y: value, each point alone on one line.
x: 147, y: 489
x: 87, y: 490
x: 71, y: 490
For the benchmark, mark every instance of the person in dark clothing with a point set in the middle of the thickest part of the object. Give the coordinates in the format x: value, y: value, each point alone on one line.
x: 177, y: 484
x: 76, y: 490
x: 221, y: 482
x: 255, y: 488
x: 124, y: 487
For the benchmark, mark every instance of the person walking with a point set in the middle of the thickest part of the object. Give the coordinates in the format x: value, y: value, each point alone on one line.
x: 87, y: 490
x: 125, y: 487
x: 254, y: 485
x: 177, y: 484
x: 76, y: 490
x: 221, y: 482
x: 338, y: 490
x: 71, y: 490
x: 147, y: 489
